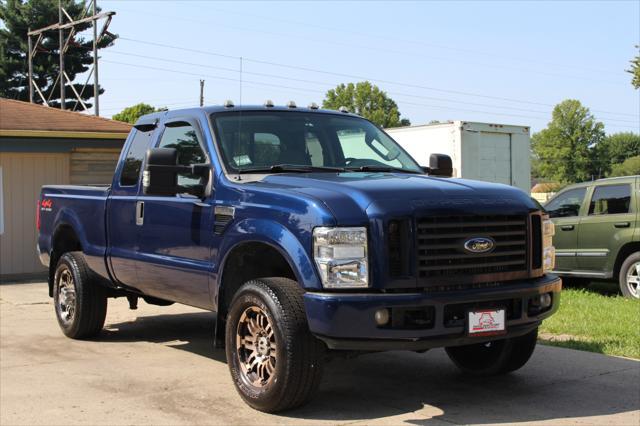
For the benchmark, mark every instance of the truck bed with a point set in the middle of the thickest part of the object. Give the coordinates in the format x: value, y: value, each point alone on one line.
x: 78, y: 207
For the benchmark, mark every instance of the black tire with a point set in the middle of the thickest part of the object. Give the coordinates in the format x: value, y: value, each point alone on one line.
x: 495, y: 357
x: 299, y: 357
x: 87, y: 315
x: 627, y: 288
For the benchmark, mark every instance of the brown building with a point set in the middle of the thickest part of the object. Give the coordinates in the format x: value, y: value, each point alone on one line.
x: 39, y: 146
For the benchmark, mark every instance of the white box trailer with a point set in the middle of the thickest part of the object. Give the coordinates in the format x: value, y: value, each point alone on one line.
x: 482, y: 151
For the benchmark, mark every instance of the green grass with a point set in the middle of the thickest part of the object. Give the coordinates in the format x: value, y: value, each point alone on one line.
x: 591, y: 321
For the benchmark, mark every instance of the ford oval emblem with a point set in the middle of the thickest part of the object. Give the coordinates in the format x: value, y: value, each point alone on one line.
x: 479, y: 245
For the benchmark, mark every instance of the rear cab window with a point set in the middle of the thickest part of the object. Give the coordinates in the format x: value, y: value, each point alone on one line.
x: 610, y: 199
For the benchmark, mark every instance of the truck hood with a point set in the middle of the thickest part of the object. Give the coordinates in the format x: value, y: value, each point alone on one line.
x: 355, y: 198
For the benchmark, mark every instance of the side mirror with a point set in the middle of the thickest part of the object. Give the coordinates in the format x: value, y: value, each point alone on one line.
x: 439, y: 165
x: 160, y: 175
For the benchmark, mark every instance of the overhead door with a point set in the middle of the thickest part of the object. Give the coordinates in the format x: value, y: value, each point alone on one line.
x: 494, y: 157
x: 23, y: 174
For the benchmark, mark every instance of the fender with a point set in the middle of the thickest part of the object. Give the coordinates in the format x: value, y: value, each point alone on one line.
x: 276, y: 235
x: 94, y: 251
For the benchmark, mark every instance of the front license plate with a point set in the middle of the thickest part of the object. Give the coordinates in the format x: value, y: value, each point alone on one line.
x: 486, y: 322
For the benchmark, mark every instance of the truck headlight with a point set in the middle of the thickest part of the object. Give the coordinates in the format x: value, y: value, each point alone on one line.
x: 341, y: 256
x: 548, y: 250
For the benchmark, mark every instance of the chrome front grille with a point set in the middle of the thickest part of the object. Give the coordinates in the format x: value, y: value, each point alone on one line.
x: 441, y: 245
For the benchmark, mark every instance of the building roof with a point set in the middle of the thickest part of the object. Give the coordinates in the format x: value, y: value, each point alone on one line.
x: 19, y: 118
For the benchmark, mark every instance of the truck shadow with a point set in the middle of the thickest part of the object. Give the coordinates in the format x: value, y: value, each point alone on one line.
x: 425, y: 389
x: 192, y: 332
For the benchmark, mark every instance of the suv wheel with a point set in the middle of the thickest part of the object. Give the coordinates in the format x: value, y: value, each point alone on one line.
x: 629, y: 278
x: 275, y: 362
x: 495, y: 357
x: 81, y: 304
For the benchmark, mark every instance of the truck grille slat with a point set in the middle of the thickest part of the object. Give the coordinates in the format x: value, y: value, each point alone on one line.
x: 455, y: 246
x: 441, y: 252
x: 469, y: 233
x: 441, y: 225
x: 476, y: 256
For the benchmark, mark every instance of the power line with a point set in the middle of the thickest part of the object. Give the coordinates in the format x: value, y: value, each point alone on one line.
x: 305, y: 90
x: 393, y: 51
x: 387, y: 37
x: 325, y: 83
x: 359, y: 77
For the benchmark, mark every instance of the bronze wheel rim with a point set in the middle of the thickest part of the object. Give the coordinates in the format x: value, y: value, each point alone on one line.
x: 256, y: 347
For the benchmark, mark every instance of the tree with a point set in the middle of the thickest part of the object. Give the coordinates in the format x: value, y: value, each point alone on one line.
x: 630, y: 167
x: 621, y: 146
x: 131, y: 114
x: 635, y: 70
x: 18, y: 16
x: 569, y: 149
x: 367, y: 100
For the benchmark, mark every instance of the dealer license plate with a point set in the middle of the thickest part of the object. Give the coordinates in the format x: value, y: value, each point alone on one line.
x: 486, y: 322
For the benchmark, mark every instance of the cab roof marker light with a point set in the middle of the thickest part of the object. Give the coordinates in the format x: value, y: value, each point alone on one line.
x: 343, y: 109
x: 313, y: 105
x: 228, y: 103
x: 268, y: 103
x: 291, y: 104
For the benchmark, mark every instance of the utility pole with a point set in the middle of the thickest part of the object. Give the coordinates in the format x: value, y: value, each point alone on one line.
x: 65, y: 21
x: 96, y: 88
x: 30, y: 69
x: 60, y: 44
x: 201, y: 93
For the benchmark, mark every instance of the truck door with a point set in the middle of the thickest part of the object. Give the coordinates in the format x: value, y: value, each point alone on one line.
x: 564, y: 209
x: 608, y: 224
x: 175, y: 236
x: 121, y: 212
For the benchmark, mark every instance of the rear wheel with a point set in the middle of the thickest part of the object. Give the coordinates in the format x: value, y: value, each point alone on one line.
x: 495, y: 357
x: 629, y: 278
x: 80, y: 303
x: 275, y: 362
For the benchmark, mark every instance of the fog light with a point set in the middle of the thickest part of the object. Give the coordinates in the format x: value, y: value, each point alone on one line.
x: 545, y: 300
x: 382, y: 316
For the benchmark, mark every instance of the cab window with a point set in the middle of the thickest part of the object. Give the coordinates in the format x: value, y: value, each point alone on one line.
x: 184, y: 139
x: 566, y: 204
x: 133, y: 161
x: 610, y: 199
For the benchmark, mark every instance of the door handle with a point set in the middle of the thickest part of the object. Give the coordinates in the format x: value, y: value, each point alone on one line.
x: 567, y: 227
x: 140, y: 213
x: 622, y: 224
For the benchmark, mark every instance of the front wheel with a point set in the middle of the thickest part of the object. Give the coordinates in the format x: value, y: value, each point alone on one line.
x: 629, y: 278
x: 274, y: 360
x: 495, y: 357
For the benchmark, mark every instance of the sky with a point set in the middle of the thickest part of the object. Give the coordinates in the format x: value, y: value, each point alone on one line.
x: 502, y: 62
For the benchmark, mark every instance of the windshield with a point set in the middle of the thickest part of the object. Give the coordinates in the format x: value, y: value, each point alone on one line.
x: 273, y: 141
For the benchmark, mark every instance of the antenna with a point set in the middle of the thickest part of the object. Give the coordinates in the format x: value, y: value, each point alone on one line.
x: 201, y: 93
x: 63, y: 77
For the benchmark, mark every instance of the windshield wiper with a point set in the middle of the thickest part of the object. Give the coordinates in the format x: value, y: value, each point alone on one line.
x: 290, y: 168
x: 374, y: 168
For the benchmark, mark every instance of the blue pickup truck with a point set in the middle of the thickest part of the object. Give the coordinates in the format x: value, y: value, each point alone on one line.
x: 310, y: 233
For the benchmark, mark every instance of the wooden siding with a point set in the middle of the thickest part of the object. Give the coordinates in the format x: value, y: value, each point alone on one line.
x: 93, y: 166
x: 23, y: 174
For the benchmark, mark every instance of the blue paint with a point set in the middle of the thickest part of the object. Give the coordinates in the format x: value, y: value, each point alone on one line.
x: 175, y: 254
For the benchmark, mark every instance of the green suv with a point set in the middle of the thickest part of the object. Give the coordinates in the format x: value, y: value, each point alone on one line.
x: 597, y: 234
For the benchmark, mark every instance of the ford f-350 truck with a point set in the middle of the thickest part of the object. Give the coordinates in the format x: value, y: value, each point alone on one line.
x: 309, y: 232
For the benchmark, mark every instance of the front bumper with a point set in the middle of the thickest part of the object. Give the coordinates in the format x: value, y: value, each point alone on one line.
x: 347, y: 320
